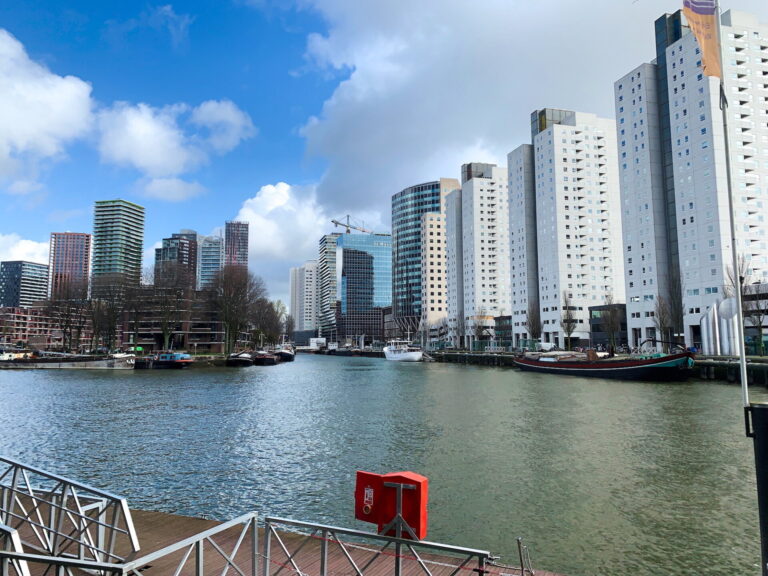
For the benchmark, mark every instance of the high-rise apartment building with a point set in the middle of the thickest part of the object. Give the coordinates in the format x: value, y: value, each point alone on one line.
x: 326, y: 271
x: 305, y: 295
x: 565, y: 187
x: 410, y: 207
x: 69, y: 263
x: 210, y: 259
x: 434, y: 299
x: 176, y: 261
x: 481, y: 229
x: 672, y: 165
x: 118, y: 237
x: 236, y: 243
x: 22, y: 283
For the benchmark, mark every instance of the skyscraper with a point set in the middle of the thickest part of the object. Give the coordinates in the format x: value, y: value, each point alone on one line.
x: 305, y: 295
x: 677, y: 233
x: 176, y: 261
x: 236, y: 244
x: 480, y: 230
x: 210, y: 259
x: 410, y: 207
x: 118, y: 237
x: 69, y: 262
x: 22, y: 283
x: 564, y: 186
x: 326, y: 270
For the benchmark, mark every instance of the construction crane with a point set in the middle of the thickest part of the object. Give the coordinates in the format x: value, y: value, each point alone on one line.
x: 349, y: 226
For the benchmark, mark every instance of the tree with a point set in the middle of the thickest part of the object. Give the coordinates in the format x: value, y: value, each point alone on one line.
x: 289, y: 326
x: 533, y: 320
x: 568, y: 320
x: 756, y: 310
x: 612, y: 318
x: 67, y: 309
x: 662, y: 319
x: 106, y: 309
x: 265, y: 319
x: 233, y: 293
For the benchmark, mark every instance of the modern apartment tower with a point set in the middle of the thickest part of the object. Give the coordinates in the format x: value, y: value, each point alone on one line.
x: 176, y: 261
x: 305, y: 296
x: 566, y: 185
x: 677, y: 233
x: 326, y: 271
x: 22, y: 283
x: 210, y: 259
x: 118, y: 237
x: 69, y: 263
x: 236, y: 243
x: 410, y: 207
x: 482, y: 235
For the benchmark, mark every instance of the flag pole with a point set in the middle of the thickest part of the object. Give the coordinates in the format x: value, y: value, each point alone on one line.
x: 755, y: 414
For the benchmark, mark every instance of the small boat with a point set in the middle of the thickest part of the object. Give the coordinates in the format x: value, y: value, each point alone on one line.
x: 28, y: 359
x: 240, y: 359
x: 171, y: 360
x: 643, y: 367
x: 285, y: 353
x: 402, y: 351
x: 264, y: 358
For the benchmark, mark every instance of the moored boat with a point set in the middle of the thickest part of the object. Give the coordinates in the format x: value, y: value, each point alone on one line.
x: 240, y: 359
x: 171, y: 360
x: 33, y: 361
x: 285, y: 353
x: 647, y: 367
x: 263, y: 358
x: 402, y: 351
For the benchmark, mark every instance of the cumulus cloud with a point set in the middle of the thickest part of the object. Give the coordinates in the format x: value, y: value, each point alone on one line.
x: 166, y: 143
x: 40, y: 113
x: 14, y: 247
x: 227, y: 125
x: 285, y: 223
x: 426, y: 86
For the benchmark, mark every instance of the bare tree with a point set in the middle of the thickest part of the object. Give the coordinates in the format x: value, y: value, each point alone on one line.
x: 67, y: 308
x: 232, y: 294
x: 568, y: 320
x: 662, y: 319
x: 756, y: 310
x: 107, y: 308
x: 265, y: 319
x: 611, y: 318
x: 533, y: 320
x: 289, y: 326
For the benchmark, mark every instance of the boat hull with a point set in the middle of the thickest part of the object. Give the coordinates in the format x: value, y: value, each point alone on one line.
x: 285, y: 356
x: 403, y: 356
x: 76, y: 363
x: 239, y: 360
x: 672, y: 367
x: 265, y: 360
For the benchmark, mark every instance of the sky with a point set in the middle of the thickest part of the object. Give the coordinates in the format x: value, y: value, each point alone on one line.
x: 284, y: 113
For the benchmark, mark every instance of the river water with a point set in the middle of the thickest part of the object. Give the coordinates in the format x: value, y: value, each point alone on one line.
x: 598, y: 477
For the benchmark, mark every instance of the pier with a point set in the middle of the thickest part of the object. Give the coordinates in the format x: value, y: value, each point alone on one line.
x: 75, y: 530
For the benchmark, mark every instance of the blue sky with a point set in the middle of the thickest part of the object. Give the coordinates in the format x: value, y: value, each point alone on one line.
x: 286, y: 113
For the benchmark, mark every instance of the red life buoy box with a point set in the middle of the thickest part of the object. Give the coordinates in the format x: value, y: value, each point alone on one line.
x: 376, y: 500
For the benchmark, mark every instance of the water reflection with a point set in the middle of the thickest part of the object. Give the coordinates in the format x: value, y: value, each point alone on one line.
x: 598, y: 477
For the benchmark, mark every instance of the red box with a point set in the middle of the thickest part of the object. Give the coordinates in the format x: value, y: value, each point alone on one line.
x: 376, y: 501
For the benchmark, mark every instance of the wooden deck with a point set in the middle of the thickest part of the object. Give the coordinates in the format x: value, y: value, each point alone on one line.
x: 157, y: 530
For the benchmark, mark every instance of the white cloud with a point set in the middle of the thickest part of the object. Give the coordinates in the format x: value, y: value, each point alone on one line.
x: 226, y: 123
x: 429, y: 85
x: 164, y: 143
x: 148, y: 139
x: 171, y: 189
x: 285, y: 223
x: 177, y: 24
x: 40, y: 113
x: 14, y: 247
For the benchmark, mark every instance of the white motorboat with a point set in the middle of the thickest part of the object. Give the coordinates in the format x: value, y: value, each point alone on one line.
x: 402, y: 351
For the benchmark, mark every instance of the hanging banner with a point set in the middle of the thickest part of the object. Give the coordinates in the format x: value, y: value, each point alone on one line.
x: 702, y: 17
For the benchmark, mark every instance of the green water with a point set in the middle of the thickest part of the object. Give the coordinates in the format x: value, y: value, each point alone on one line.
x: 598, y: 477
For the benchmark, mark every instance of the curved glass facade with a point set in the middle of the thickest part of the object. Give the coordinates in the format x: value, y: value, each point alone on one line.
x: 408, y: 208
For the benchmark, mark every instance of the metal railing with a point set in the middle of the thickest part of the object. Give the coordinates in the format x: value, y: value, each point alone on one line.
x: 190, y: 556
x: 362, y: 550
x: 56, y: 516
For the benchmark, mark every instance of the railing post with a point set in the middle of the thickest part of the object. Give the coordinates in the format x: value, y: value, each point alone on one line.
x: 254, y: 546
x: 199, y: 559
x: 324, y: 553
x: 267, y: 543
